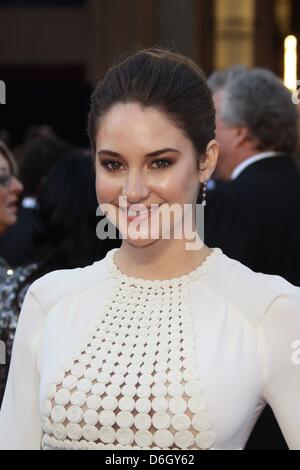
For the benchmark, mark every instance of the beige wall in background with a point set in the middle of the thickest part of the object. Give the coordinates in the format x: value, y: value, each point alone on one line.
x: 234, y: 32
x: 43, y: 36
x: 89, y: 36
x: 92, y: 35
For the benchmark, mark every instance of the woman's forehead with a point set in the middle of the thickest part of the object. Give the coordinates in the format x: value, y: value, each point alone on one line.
x: 149, y: 128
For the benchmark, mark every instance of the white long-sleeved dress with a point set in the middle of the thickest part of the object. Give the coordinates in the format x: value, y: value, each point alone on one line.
x: 102, y: 360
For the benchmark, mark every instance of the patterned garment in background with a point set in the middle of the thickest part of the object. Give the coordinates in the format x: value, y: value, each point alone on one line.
x: 11, y: 300
x: 3, y: 269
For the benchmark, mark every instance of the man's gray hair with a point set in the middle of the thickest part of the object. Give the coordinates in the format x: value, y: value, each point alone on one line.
x: 257, y: 99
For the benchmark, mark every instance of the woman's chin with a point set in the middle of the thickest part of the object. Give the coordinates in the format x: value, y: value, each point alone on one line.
x: 10, y: 220
x: 141, y: 242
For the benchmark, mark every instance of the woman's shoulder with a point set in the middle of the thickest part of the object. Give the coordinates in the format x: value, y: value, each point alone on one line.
x: 52, y: 287
x: 252, y: 294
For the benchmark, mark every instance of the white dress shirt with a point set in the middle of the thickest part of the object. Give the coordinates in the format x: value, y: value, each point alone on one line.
x: 255, y: 158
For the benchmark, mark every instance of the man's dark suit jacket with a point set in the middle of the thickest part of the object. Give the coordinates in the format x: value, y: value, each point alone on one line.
x: 255, y: 219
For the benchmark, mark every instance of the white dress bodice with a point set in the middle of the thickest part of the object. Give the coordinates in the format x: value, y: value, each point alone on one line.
x: 106, y: 361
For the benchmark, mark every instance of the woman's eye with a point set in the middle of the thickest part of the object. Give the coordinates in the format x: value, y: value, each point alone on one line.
x: 5, y: 180
x: 162, y: 163
x: 113, y: 167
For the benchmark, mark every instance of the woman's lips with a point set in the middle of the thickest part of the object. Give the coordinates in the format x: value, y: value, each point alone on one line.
x: 13, y: 206
x: 142, y: 214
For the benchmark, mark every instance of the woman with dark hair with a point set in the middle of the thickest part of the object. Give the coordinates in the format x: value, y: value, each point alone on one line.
x: 36, y: 158
x: 161, y: 345
x: 64, y: 238
x: 10, y: 189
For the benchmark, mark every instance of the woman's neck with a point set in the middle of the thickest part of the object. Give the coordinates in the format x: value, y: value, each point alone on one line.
x: 163, y: 259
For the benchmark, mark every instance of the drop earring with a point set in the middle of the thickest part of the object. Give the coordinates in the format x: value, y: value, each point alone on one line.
x: 203, y: 203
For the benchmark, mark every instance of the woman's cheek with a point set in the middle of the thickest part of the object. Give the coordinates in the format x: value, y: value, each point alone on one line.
x: 3, y: 197
x: 106, y: 189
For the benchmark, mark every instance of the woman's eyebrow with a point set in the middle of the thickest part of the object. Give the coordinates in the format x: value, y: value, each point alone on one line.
x: 161, y: 152
x: 151, y: 154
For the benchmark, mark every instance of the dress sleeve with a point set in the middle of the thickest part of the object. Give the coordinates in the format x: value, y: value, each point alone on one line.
x: 279, y: 337
x: 20, y: 427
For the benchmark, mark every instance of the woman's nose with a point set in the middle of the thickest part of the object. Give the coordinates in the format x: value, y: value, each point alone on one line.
x: 134, y: 187
x: 16, y: 186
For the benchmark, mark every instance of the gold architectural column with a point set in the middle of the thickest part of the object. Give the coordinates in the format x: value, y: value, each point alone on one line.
x: 272, y: 25
x: 234, y: 28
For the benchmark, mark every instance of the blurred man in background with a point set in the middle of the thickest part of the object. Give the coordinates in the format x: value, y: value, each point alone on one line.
x: 253, y: 213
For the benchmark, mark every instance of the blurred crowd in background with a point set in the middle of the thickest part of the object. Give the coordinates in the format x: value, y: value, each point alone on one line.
x: 47, y: 219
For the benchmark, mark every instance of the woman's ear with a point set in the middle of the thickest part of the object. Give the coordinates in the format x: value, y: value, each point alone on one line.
x: 210, y: 158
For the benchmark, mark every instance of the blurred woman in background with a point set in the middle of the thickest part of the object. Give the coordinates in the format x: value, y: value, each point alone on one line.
x: 64, y: 237
x: 10, y: 189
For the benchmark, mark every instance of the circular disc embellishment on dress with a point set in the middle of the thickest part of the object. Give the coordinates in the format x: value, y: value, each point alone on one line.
x: 160, y: 404
x: 143, y: 405
x: 159, y: 390
x: 58, y: 414
x: 184, y: 439
x: 107, y: 434
x: 93, y: 402
x: 90, y: 433
x: 205, y: 439
x: 74, y: 414
x: 193, y: 388
x: 70, y: 382
x: 177, y: 405
x: 128, y: 390
x: 124, y: 419
x: 197, y: 404
x: 142, y: 421
x: 59, y: 378
x: 161, y: 420
x: 98, y: 389
x: 109, y: 403
x: 133, y: 382
x: 107, y: 418
x: 181, y: 422
x: 125, y: 436
x: 126, y: 404
x: 62, y: 397
x: 163, y: 438
x: 143, y: 391
x: 143, y: 438
x: 201, y: 422
x: 78, y: 370
x: 113, y: 390
x: 91, y: 417
x: 78, y: 398
x: 84, y: 385
x: 59, y: 431
x: 74, y: 432
x: 175, y: 389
